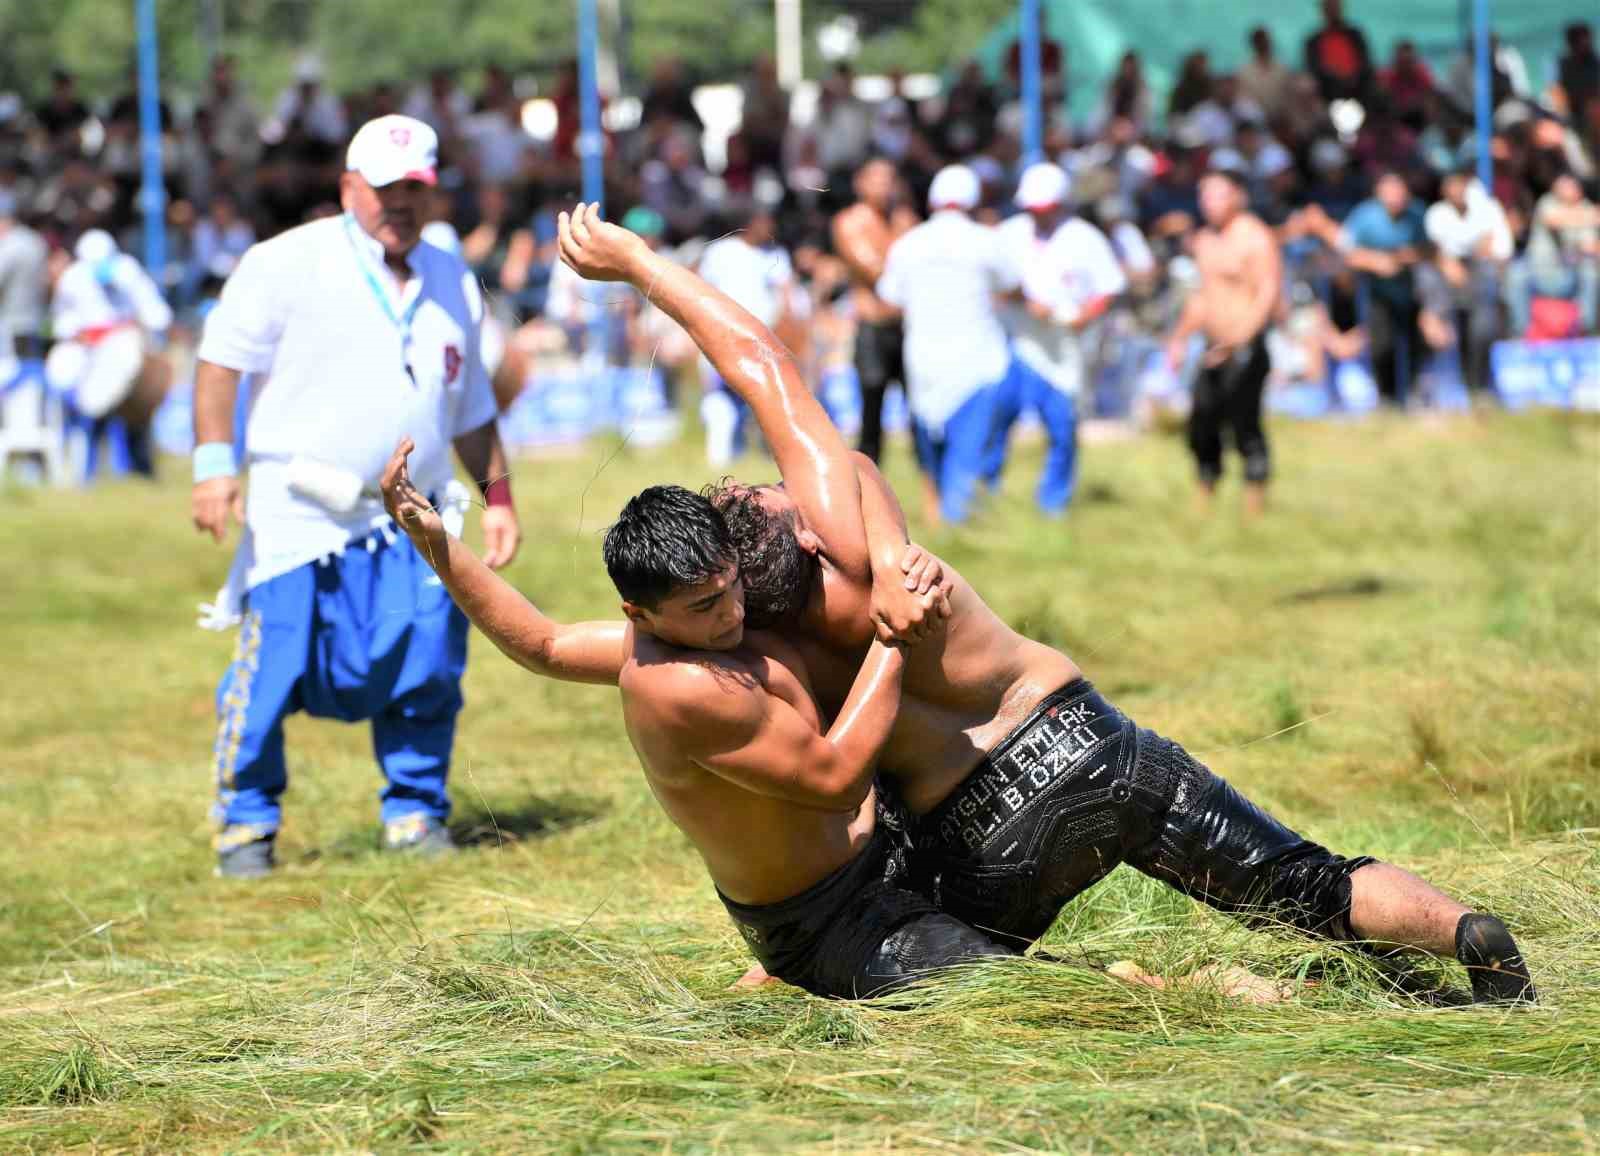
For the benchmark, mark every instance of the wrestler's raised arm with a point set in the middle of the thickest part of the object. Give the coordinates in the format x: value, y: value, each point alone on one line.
x: 576, y: 652
x: 812, y: 457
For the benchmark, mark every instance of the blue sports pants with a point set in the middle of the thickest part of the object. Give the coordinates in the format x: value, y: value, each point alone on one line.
x: 367, y: 634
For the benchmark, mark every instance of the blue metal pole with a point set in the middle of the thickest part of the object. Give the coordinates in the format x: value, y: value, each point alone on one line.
x: 1032, y: 113
x: 153, y: 194
x: 591, y: 152
x: 1483, y: 91
x: 591, y: 143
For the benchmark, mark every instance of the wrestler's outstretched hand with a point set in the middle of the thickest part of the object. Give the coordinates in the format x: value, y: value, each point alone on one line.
x: 411, y: 511
x: 598, y: 250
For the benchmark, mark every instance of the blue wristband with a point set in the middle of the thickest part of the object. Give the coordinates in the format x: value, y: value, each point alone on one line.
x: 214, y: 460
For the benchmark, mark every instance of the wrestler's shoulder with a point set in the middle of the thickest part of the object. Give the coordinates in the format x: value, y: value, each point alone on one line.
x: 688, y: 683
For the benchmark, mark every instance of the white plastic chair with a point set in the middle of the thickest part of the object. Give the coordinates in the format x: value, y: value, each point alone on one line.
x: 33, y: 425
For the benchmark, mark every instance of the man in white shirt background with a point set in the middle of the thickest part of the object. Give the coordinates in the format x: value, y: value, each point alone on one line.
x: 349, y: 333
x: 108, y: 319
x: 1472, y: 242
x: 749, y: 266
x: 1069, y: 275
x: 945, y: 276
x: 24, y: 286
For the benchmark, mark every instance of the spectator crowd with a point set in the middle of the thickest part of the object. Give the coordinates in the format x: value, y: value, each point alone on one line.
x: 1395, y: 254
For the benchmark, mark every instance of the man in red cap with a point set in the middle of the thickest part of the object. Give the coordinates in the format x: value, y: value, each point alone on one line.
x: 348, y: 333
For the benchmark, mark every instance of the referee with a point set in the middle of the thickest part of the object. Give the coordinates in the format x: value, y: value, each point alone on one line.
x: 347, y: 333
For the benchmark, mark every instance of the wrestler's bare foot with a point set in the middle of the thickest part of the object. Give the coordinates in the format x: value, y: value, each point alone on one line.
x: 1205, y: 499
x: 1230, y: 980
x: 1255, y: 500
x: 756, y: 977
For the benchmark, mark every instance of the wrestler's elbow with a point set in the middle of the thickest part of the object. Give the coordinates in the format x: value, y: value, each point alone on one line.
x: 842, y: 785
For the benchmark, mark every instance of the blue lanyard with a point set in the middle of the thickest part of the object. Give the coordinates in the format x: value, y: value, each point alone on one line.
x: 401, y: 321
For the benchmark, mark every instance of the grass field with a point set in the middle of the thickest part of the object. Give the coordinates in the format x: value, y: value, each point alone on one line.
x: 1403, y: 660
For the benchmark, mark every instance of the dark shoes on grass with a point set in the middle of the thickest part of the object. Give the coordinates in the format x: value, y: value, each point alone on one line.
x: 419, y: 835
x: 1493, y: 962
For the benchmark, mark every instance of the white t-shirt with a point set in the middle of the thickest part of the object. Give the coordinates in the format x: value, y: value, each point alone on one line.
x: 328, y: 379
x: 100, y: 295
x: 1457, y: 234
x: 1064, y: 272
x: 755, y: 277
x: 500, y: 145
x: 944, y: 275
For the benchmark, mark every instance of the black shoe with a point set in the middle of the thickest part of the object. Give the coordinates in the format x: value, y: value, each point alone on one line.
x: 1494, y: 965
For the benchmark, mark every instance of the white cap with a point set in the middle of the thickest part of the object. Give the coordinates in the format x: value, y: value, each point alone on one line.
x: 94, y: 246
x: 1043, y: 186
x: 394, y: 148
x: 954, y: 186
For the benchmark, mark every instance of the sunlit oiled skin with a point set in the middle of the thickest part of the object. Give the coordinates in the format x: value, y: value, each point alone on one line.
x: 963, y: 692
x: 758, y: 848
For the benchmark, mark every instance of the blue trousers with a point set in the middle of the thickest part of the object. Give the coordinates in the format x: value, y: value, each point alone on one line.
x: 369, y: 634
x: 1024, y: 388
x: 954, y: 459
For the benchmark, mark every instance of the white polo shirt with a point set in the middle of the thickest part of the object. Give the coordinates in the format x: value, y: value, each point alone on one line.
x: 1458, y: 233
x: 945, y: 275
x: 340, y: 364
x: 1064, y: 272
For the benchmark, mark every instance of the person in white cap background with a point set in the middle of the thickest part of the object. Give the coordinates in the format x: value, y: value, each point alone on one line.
x: 1069, y: 276
x: 945, y: 276
x: 108, y: 320
x: 349, y: 333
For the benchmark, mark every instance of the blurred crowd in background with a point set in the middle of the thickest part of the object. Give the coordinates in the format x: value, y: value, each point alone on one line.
x: 1312, y: 127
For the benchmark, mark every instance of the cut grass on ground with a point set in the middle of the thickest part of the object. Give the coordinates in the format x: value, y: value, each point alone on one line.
x: 1416, y: 627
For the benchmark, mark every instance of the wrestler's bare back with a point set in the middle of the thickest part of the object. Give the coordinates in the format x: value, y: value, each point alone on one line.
x: 759, y: 849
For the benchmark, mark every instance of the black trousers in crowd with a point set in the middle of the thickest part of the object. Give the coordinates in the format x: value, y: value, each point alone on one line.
x: 1396, y: 344
x: 1227, y: 399
x: 879, y: 362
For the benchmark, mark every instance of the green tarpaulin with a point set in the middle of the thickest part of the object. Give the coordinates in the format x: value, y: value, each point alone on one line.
x: 1095, y: 34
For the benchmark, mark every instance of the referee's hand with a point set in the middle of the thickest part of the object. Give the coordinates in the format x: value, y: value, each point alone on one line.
x: 210, y: 503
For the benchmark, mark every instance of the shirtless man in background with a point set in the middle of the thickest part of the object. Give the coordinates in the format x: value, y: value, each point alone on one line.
x: 1024, y: 784
x: 862, y: 235
x: 1241, y: 275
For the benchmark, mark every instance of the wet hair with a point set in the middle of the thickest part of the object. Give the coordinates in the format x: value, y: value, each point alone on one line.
x: 665, y: 539
x: 777, y: 574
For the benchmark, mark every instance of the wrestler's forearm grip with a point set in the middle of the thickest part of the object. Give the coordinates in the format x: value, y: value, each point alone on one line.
x: 863, y: 723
